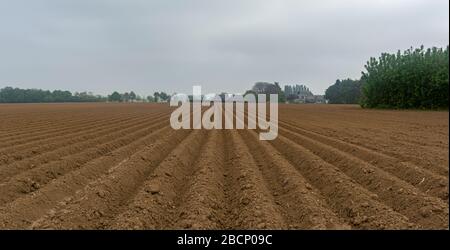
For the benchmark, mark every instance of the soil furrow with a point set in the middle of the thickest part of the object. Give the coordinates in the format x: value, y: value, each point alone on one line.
x: 122, y: 166
x: 359, y: 207
x: 369, y: 142
x: 49, y: 126
x: 426, y: 181
x: 42, y: 149
x: 98, y: 203
x: 67, y: 133
x: 302, y: 205
x: 73, y: 151
x: 155, y: 204
x: 59, y: 191
x: 203, y: 206
x: 425, y: 210
x: 252, y: 205
x: 29, y: 181
x: 37, y: 134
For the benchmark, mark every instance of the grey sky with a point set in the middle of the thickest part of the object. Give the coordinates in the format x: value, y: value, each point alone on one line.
x: 226, y: 45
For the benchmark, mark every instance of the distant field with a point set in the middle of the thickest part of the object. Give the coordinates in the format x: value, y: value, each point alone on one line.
x: 122, y: 166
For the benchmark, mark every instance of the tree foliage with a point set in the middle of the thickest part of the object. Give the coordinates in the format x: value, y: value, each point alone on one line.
x: 345, y: 91
x: 161, y: 97
x: 268, y: 88
x: 17, y: 95
x: 132, y: 96
x: 281, y: 95
x: 115, y: 97
x: 416, y: 78
x: 125, y: 97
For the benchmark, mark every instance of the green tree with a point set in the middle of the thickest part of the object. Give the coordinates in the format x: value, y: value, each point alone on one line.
x: 132, y: 96
x: 281, y: 95
x: 251, y: 92
x: 115, y: 97
x: 268, y: 88
x: 61, y: 96
x: 345, y: 91
x: 164, y: 96
x: 415, y: 78
x: 16, y: 95
x: 125, y: 97
x: 157, y: 97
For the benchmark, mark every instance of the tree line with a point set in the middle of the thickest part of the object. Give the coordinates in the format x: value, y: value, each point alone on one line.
x: 132, y: 97
x: 345, y: 91
x: 415, y: 78
x: 17, y: 95
x: 267, y: 89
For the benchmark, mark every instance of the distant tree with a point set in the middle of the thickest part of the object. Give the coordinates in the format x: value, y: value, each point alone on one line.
x: 61, y: 96
x: 87, y: 97
x: 150, y: 98
x: 415, y: 78
x: 115, y: 97
x: 125, y: 97
x: 164, y: 96
x: 156, y: 96
x: 281, y: 95
x: 265, y: 88
x: 16, y: 95
x: 346, y: 91
x: 269, y: 88
x: 132, y: 96
x: 251, y: 92
x: 259, y: 87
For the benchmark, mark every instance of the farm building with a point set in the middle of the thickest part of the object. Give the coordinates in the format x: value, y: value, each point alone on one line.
x: 301, y: 94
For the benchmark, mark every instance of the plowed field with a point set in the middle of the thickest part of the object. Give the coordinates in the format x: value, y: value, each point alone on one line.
x: 121, y: 166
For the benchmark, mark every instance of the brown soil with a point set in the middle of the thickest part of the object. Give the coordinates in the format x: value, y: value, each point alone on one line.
x: 121, y: 166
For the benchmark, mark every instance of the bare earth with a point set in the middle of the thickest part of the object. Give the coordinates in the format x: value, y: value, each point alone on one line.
x: 121, y: 166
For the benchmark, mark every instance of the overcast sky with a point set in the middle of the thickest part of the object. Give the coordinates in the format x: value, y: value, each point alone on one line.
x: 222, y: 45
